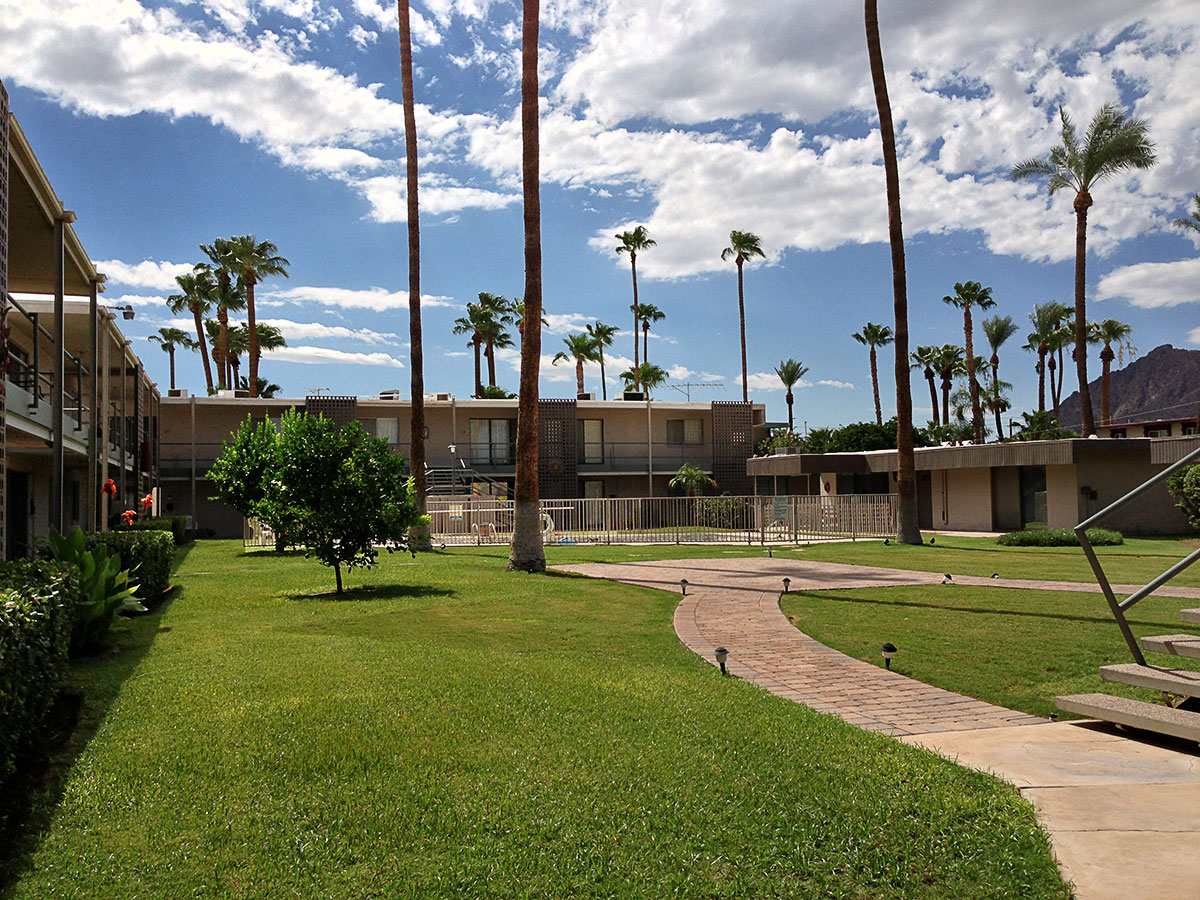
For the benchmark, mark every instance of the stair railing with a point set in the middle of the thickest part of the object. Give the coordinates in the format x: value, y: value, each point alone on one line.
x: 1119, y: 607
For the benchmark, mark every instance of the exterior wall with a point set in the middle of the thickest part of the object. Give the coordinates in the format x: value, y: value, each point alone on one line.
x: 962, y: 499
x: 1112, y: 478
x: 1006, y: 499
x: 1062, y: 497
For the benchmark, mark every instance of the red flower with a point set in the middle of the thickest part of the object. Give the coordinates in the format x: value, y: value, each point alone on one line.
x: 128, y: 516
x: 110, y: 488
x: 147, y: 501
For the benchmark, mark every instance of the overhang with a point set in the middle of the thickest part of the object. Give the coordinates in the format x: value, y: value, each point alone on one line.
x: 1164, y: 451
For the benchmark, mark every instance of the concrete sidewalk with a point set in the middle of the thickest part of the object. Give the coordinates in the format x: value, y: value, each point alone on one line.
x: 1123, y: 814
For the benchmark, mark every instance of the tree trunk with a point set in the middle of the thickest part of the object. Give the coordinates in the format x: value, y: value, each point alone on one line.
x: 527, y: 553
x: 946, y: 385
x: 1041, y: 367
x: 789, y: 398
x: 252, y: 334
x: 1053, y: 385
x: 875, y: 388
x: 337, y: 573
x: 972, y: 383
x: 419, y: 534
x: 1106, y: 357
x: 932, y: 395
x: 490, y: 353
x: 996, y: 390
x: 478, y: 375
x: 1062, y: 371
x: 208, y: 381
x: 579, y: 374
x: 603, y: 382
x: 223, y: 322
x: 742, y: 327
x: 636, y: 319
x: 646, y: 341
x: 908, y: 530
x: 1082, y: 201
x: 171, y: 356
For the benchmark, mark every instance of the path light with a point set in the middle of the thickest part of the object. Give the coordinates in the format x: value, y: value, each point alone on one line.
x: 887, y: 542
x: 770, y: 554
x: 442, y: 545
x: 888, y: 650
x: 683, y: 583
x: 995, y: 574
x: 721, y: 655
x: 787, y: 583
x: 947, y: 578
x: 933, y: 540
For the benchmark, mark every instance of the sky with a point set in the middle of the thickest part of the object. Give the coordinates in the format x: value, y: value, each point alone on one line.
x: 167, y: 124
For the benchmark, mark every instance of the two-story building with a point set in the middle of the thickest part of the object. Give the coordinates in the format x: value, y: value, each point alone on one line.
x: 587, y: 448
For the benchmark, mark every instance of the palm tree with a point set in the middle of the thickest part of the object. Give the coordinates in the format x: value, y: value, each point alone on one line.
x: 925, y: 357
x: 266, y: 389
x: 966, y: 295
x: 633, y: 242
x: 527, y: 552
x: 253, y: 260
x: 516, y: 308
x: 227, y: 297
x: 874, y: 336
x: 1113, y: 144
x: 494, y: 313
x: 269, y: 338
x: 648, y: 375
x: 198, y: 288
x: 238, y: 341
x: 420, y: 533
x: 994, y: 396
x: 169, y: 339
x: 1109, y: 332
x: 790, y: 372
x: 998, y: 329
x: 581, y: 348
x: 603, y: 336
x: 648, y: 313
x: 908, y: 530
x: 690, y: 479
x: 1063, y: 335
x: 742, y: 246
x: 1192, y: 222
x: 1046, y: 319
x: 474, y: 323
x: 948, y: 361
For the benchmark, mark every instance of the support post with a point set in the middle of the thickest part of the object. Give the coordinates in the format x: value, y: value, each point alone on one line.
x: 58, y: 387
x: 91, y: 484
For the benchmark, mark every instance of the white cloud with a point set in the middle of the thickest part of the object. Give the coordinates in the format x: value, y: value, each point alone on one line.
x: 680, y: 372
x: 828, y: 382
x: 149, y: 274
x: 1194, y: 336
x: 315, y: 330
x: 326, y: 356
x: 374, y: 298
x: 362, y: 37
x: 1153, y: 285
x: 566, y: 323
x: 761, y: 381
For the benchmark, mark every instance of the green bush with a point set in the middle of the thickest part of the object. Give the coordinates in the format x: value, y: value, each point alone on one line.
x: 104, y: 588
x: 1059, y: 537
x: 147, y: 555
x: 177, y: 525
x: 1184, y: 486
x: 37, y: 601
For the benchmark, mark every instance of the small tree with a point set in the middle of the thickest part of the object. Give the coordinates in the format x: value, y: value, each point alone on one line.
x: 1184, y: 486
x: 691, y: 480
x: 246, y: 474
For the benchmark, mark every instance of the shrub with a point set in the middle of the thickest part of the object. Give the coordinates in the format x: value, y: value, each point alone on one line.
x: 146, y: 554
x: 177, y: 525
x: 1184, y: 486
x: 104, y: 589
x: 1059, y: 537
x: 37, y: 601
x: 724, y: 512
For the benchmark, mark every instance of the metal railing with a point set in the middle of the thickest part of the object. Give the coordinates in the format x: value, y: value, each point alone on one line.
x: 1119, y: 607
x: 671, y: 520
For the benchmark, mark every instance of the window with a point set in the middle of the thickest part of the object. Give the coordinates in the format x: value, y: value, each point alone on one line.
x: 1158, y: 431
x: 1188, y: 428
x: 492, y: 441
x: 593, y: 490
x: 388, y: 429
x: 591, y: 441
x: 685, y: 431
x: 1116, y: 433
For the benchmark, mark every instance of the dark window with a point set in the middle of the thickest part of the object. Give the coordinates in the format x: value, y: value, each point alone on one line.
x: 685, y: 431
x: 1033, y: 496
x: 1116, y: 433
x: 1188, y: 428
x: 493, y: 441
x: 1158, y: 431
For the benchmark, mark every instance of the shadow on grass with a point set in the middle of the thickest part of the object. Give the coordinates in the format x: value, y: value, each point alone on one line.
x: 79, y: 713
x: 268, y: 554
x: 368, y: 592
x: 914, y: 604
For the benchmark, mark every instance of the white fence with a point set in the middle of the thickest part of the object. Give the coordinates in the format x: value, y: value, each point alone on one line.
x: 671, y: 520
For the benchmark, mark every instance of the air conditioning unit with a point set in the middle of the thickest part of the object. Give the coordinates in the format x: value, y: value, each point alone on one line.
x: 634, y: 395
x: 586, y: 396
x: 393, y: 394
x: 446, y: 397
x: 177, y: 392
x: 226, y: 394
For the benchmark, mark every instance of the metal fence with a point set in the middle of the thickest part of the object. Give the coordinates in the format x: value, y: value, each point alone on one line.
x: 671, y: 520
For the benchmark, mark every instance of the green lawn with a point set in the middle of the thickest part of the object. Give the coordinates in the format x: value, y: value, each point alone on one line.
x: 1019, y: 649
x: 464, y: 731
x: 1135, y: 562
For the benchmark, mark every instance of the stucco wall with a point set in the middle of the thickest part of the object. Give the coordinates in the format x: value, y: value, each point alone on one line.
x: 1062, y: 497
x: 1006, y: 499
x: 1113, y: 477
x: 968, y: 504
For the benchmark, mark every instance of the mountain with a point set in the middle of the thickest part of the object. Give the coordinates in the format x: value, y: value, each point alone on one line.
x: 1163, y: 384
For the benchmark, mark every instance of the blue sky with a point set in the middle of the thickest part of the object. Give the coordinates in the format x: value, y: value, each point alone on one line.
x: 166, y: 124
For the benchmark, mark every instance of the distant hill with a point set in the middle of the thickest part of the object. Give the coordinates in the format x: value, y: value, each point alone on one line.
x: 1163, y: 384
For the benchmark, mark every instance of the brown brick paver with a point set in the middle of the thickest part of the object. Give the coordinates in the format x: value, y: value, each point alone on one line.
x: 734, y: 603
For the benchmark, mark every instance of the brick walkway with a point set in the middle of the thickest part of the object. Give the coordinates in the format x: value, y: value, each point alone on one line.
x: 734, y: 603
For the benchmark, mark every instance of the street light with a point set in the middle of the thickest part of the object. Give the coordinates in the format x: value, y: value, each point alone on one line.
x: 126, y: 311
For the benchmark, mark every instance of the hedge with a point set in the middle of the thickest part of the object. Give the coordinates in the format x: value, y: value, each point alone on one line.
x: 177, y: 525
x: 150, y: 551
x: 1059, y: 537
x: 37, y: 600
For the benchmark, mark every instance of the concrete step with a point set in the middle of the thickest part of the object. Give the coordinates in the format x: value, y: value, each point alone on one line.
x: 1190, y: 615
x: 1157, y: 678
x: 1134, y: 714
x: 1175, y: 644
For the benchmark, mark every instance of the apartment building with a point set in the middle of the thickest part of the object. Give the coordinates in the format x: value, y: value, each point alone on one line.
x: 588, y: 448
x: 76, y: 408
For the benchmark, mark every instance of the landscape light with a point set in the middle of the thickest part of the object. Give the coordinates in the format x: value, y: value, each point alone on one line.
x: 721, y: 655
x: 787, y: 582
x: 947, y: 578
x: 770, y: 555
x: 888, y: 649
x: 683, y: 583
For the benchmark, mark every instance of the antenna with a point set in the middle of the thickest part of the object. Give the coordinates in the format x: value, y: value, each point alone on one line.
x: 685, y: 387
x: 316, y: 392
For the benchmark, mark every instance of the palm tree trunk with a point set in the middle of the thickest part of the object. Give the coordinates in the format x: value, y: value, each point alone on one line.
x: 972, y: 384
x: 789, y: 399
x: 490, y: 353
x: 646, y: 342
x: 742, y: 327
x: 637, y: 322
x: 223, y: 322
x: 171, y: 356
x: 478, y: 376
x: 252, y: 336
x: 1041, y: 367
x: 579, y: 374
x: 208, y: 382
x: 1062, y: 371
x: 1105, y: 372
x: 908, y: 530
x: 1082, y: 201
x: 603, y: 383
x: 419, y: 534
x: 932, y: 395
x: 527, y: 553
x: 875, y: 388
x: 1053, y: 381
x: 996, y: 390
x: 946, y: 385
